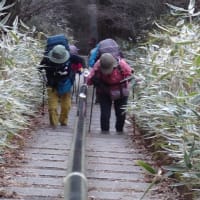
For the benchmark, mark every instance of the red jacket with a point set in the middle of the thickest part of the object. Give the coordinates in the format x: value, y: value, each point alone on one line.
x: 112, y: 81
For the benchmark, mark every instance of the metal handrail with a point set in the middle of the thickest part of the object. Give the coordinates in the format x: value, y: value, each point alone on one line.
x: 75, y: 183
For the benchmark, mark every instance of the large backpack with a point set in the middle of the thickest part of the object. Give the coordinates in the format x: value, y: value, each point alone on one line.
x: 61, y: 81
x: 105, y: 46
x: 55, y: 40
x: 109, y: 46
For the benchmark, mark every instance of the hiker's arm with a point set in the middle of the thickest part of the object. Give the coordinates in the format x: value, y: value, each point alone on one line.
x: 91, y: 76
x: 43, y: 64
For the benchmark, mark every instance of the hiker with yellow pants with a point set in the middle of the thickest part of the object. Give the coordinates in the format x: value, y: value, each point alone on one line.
x: 60, y: 77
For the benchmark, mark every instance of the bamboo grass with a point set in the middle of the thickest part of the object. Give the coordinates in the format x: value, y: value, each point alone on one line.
x: 167, y: 103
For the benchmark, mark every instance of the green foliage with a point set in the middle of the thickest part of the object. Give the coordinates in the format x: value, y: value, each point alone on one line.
x: 178, y: 11
x: 156, y: 173
x: 20, y: 84
x: 147, y: 167
x: 167, y: 102
x: 151, y: 171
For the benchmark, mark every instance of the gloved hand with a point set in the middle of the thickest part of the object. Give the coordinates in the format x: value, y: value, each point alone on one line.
x: 86, y: 72
x: 62, y: 73
x: 96, y: 81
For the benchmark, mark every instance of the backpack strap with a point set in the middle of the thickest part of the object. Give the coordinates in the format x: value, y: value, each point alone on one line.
x: 120, y: 84
x: 120, y: 69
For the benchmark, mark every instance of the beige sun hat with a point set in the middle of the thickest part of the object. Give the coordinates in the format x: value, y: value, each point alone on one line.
x: 58, y: 54
x: 107, y: 63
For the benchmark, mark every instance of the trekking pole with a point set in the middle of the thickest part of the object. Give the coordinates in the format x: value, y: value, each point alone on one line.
x: 43, y: 92
x: 93, y: 90
x: 73, y: 89
x: 77, y: 93
x: 127, y: 79
x: 42, y: 76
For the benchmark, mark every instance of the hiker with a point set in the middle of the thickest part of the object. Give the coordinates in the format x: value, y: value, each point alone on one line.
x: 109, y: 76
x: 60, y: 77
x: 78, y: 66
x: 78, y: 63
x: 107, y: 45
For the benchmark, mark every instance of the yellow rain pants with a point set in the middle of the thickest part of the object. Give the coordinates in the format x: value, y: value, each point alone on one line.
x: 53, y: 102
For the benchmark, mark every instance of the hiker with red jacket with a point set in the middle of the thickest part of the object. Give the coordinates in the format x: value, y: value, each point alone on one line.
x: 107, y: 45
x: 78, y: 63
x: 109, y: 75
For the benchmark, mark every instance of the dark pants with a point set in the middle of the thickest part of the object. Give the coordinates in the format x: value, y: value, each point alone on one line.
x: 105, y: 107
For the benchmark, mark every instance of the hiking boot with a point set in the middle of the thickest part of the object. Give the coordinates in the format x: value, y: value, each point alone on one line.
x: 120, y: 132
x: 63, y: 124
x: 105, y: 132
x: 52, y: 126
x: 96, y: 101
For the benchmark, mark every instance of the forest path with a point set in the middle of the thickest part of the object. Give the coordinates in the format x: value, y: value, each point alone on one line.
x: 111, y: 168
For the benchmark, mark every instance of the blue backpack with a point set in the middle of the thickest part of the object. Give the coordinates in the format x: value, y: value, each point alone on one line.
x: 55, y: 40
x: 64, y: 86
